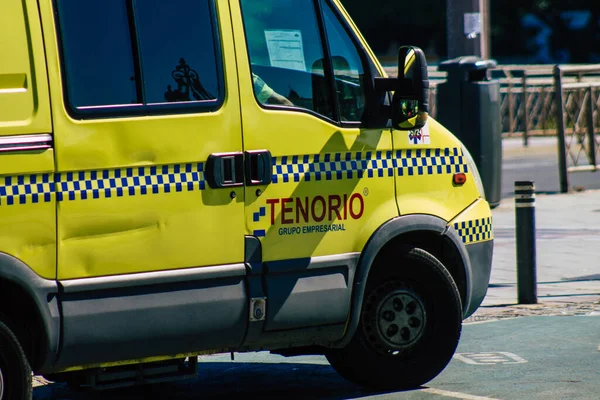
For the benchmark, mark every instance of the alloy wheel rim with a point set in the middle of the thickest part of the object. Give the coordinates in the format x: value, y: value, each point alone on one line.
x: 400, y: 321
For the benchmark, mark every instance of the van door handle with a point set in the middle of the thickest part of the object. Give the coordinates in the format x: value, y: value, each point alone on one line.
x: 225, y: 170
x: 259, y: 167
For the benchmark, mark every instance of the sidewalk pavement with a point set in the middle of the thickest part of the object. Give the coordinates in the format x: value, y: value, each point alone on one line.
x: 513, y: 146
x: 567, y: 249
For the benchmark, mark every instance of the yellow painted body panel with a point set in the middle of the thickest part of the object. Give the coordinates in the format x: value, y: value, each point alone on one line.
x: 24, y: 101
x: 112, y: 227
x: 120, y: 233
x: 299, y: 141
x: 27, y: 206
x: 31, y: 162
x: 425, y: 184
x: 119, y: 196
x: 28, y: 210
x: 474, y: 225
x: 30, y: 235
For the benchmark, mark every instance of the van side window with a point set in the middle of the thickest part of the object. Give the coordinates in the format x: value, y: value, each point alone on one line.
x: 96, y: 47
x: 176, y: 48
x: 128, y: 57
x: 286, y: 54
x: 347, y: 68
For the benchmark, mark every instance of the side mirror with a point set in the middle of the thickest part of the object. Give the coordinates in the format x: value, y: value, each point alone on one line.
x: 410, y: 103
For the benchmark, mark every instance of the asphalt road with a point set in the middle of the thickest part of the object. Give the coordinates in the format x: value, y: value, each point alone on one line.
x: 524, y: 358
x: 539, y: 163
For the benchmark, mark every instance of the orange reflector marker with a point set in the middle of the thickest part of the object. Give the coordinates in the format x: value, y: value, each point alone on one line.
x: 459, y: 179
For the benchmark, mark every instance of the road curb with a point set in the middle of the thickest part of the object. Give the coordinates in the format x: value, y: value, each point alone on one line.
x: 497, y: 312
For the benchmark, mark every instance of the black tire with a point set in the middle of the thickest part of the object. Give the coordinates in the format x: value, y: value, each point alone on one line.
x: 14, y: 368
x: 409, y: 327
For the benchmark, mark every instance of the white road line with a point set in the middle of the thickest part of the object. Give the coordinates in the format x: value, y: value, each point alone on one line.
x: 456, y: 395
x: 499, y: 357
x: 518, y: 360
x: 489, y: 320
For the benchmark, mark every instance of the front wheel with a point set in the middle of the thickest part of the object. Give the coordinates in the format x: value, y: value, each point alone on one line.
x: 409, y: 327
x: 15, y: 372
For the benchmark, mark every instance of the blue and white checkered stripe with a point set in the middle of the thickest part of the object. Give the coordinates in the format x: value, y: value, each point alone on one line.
x: 431, y: 162
x: 370, y: 164
x: 332, y: 166
x: 476, y: 230
x: 25, y: 189
x: 83, y: 185
x: 134, y: 181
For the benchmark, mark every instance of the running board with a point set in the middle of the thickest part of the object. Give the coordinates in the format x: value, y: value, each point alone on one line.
x: 138, y: 374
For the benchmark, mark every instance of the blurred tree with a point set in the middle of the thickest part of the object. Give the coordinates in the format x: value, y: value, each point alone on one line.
x: 388, y: 24
x: 546, y: 31
x: 524, y: 31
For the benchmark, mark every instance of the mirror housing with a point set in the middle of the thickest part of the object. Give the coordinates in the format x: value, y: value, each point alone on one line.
x: 410, y: 102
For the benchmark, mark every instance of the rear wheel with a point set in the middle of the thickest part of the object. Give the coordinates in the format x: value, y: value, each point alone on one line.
x: 15, y: 372
x: 409, y: 327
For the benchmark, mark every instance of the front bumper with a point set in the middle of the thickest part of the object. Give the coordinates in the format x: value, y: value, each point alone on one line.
x: 480, y: 258
x: 473, y: 229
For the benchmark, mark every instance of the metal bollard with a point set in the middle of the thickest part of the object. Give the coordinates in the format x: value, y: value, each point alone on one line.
x: 525, y: 232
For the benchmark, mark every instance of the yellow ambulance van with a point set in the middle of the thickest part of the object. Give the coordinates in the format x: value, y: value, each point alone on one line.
x: 188, y: 177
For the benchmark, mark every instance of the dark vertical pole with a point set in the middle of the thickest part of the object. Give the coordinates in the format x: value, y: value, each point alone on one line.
x: 525, y: 112
x: 525, y: 233
x: 590, y: 128
x: 486, y: 51
x: 460, y: 42
x: 560, y: 131
x: 511, y: 107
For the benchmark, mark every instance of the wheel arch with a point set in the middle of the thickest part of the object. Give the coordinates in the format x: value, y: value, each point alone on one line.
x: 31, y: 304
x: 428, y: 232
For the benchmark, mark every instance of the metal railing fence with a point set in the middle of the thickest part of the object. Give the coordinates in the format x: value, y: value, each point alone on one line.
x: 578, y: 119
x: 545, y: 100
x: 528, y: 95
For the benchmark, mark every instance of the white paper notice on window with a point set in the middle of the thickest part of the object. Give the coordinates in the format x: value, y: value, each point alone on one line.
x: 285, y: 49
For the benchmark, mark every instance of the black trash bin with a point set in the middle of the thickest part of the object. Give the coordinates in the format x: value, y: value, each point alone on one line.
x: 468, y: 104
